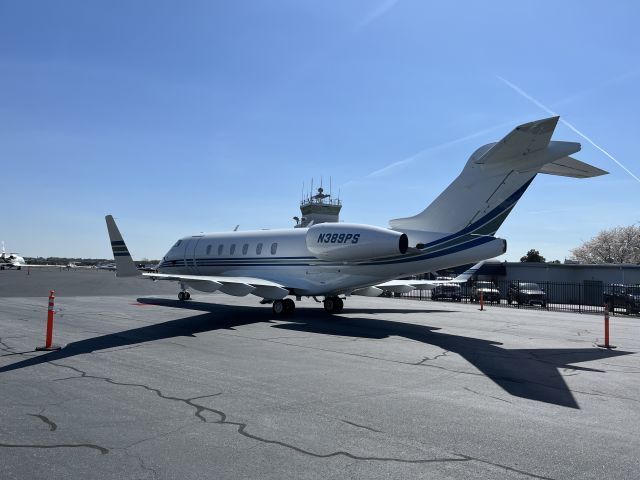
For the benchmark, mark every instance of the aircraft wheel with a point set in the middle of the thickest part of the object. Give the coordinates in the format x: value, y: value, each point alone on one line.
x: 278, y: 307
x: 187, y: 296
x: 289, y: 306
x: 329, y: 304
x: 333, y: 305
x: 181, y: 296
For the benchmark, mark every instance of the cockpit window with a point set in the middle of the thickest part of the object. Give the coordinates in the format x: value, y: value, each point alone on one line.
x: 177, y: 243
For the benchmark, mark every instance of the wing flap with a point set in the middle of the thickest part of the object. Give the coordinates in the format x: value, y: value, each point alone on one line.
x: 237, y: 289
x: 236, y: 286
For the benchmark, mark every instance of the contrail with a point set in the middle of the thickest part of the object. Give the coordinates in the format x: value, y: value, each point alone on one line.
x: 415, y: 156
x: 551, y: 112
x: 376, y: 12
x: 434, y: 148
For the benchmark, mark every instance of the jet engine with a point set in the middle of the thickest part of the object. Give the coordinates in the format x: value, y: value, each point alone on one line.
x: 350, y: 242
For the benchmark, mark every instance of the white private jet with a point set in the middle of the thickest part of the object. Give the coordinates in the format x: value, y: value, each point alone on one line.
x: 13, y: 260
x: 337, y: 259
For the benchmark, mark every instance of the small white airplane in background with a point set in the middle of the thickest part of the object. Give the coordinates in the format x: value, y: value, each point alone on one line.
x: 337, y: 259
x: 107, y: 266
x: 13, y: 260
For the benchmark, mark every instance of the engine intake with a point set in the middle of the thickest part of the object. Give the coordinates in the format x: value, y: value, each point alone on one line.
x: 350, y: 242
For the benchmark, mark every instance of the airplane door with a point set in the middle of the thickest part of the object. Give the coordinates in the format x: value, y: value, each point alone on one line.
x: 190, y: 256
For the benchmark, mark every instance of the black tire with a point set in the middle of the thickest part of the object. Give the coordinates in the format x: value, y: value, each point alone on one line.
x: 181, y: 296
x: 339, y: 305
x: 187, y: 296
x: 289, y: 306
x: 278, y: 307
x: 329, y: 304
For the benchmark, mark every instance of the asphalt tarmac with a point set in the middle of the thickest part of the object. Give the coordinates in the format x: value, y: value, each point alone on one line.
x: 217, y: 387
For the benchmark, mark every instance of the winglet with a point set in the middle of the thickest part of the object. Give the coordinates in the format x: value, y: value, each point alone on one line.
x: 466, y: 275
x: 124, y: 263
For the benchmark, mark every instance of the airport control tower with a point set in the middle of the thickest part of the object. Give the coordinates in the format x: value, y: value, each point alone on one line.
x: 318, y: 208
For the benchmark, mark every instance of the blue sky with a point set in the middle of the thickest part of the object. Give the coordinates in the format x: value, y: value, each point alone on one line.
x: 182, y: 117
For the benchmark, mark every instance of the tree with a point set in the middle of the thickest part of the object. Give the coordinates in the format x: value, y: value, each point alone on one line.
x: 532, y: 255
x: 616, y: 245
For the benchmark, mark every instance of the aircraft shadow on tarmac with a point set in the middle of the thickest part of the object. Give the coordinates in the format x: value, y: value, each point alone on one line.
x: 528, y: 373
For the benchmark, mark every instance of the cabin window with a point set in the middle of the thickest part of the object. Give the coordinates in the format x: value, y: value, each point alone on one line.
x: 220, y: 248
x: 245, y: 248
x: 209, y: 249
x: 258, y: 249
x: 274, y: 248
x: 232, y: 250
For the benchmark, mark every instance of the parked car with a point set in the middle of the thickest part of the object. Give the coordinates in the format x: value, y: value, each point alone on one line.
x: 622, y: 296
x: 489, y: 291
x: 451, y: 291
x: 526, y: 293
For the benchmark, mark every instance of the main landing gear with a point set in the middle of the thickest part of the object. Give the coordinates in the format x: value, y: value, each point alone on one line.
x: 333, y: 304
x: 283, y: 307
x: 184, y: 295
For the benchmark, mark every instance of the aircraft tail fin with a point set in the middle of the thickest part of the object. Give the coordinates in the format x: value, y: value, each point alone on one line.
x: 494, y: 178
x: 124, y: 263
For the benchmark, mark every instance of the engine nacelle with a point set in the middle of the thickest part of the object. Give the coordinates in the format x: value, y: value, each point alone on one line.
x: 348, y: 241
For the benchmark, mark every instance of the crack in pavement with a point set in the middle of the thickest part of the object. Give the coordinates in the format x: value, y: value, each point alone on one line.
x: 510, y: 469
x: 102, y: 450
x: 242, y: 430
x: 188, y: 401
x: 486, y: 395
x: 428, y: 359
x: 52, y: 425
x: 361, y: 426
x: 242, y: 427
x: 5, y: 346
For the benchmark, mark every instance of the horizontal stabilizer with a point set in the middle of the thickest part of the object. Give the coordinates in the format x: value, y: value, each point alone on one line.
x: 570, y: 167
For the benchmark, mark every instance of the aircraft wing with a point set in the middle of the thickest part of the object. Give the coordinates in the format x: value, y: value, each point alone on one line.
x: 236, y: 286
x: 404, y: 286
